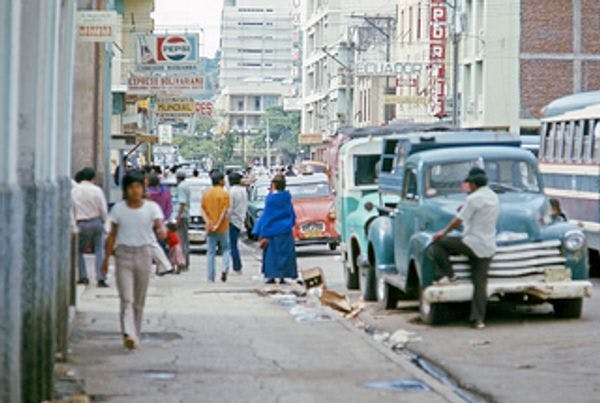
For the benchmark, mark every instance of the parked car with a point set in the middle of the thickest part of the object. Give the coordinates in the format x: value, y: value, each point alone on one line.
x: 536, y: 260
x: 197, y: 226
x: 314, y: 206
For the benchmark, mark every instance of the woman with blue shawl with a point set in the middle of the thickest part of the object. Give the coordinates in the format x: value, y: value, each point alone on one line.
x: 274, y: 229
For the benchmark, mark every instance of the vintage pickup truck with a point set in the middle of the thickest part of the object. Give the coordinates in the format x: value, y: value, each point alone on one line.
x: 536, y: 261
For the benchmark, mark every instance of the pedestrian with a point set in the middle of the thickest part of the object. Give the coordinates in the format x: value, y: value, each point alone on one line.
x: 215, y: 204
x: 175, y: 252
x: 274, y: 229
x: 159, y: 194
x: 290, y: 171
x: 134, y: 223
x: 477, y: 242
x: 183, y: 200
x: 557, y: 214
x: 91, y: 213
x: 237, y: 216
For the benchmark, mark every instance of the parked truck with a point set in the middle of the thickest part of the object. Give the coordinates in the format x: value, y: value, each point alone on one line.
x: 537, y: 260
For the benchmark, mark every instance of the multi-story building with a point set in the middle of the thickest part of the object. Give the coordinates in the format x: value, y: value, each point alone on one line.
x: 517, y: 56
x: 328, y: 60
x: 256, y: 60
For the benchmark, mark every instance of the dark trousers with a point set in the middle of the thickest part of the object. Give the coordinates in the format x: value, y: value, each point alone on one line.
x: 91, y: 232
x: 445, y: 247
x: 234, y: 235
x: 182, y: 231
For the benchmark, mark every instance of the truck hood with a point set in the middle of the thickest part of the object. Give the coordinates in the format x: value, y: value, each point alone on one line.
x: 520, y: 212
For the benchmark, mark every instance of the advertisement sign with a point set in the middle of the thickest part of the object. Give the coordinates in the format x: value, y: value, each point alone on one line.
x: 191, y: 84
x: 384, y: 69
x: 204, y: 108
x: 175, y: 107
x: 438, y: 35
x: 311, y: 138
x: 96, y: 26
x: 167, y: 52
x: 165, y: 134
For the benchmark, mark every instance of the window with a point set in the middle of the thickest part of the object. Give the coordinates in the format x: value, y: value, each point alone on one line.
x: 249, y: 23
x: 596, y: 139
x: 410, y: 185
x: 253, y: 51
x: 309, y: 190
x: 390, y: 112
x: 240, y: 122
x: 250, y: 10
x: 410, y: 24
x: 366, y: 169
x: 270, y: 100
x: 419, y: 22
x: 257, y: 103
x: 249, y: 64
x: 240, y: 105
x: 402, y: 27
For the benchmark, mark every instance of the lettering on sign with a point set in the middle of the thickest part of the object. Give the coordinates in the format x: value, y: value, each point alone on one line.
x: 438, y: 35
x: 96, y: 26
x: 388, y: 68
x: 311, y: 138
x: 204, y: 108
x: 175, y: 107
x: 172, y: 52
x: 148, y: 84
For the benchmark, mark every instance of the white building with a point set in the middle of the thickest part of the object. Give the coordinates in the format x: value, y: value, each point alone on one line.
x: 256, y: 59
x: 328, y: 59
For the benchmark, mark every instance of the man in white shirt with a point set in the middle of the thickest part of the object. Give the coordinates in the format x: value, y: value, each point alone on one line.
x: 478, y: 217
x: 91, y: 214
x: 237, y: 215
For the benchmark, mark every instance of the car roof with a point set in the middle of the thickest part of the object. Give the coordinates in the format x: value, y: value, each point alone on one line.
x: 470, y: 153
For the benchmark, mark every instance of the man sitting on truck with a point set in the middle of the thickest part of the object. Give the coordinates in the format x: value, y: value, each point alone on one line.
x: 478, y: 217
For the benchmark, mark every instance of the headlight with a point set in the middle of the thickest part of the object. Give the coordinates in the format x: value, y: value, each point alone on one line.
x: 574, y: 240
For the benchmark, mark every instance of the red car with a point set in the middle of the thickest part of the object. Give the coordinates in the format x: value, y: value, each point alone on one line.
x: 315, y: 210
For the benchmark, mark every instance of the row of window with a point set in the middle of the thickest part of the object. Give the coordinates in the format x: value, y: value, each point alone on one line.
x: 255, y: 51
x: 254, y: 23
x: 254, y: 64
x: 254, y: 10
x: 575, y: 141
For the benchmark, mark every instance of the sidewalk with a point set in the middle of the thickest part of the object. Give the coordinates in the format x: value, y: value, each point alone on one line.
x: 224, y: 343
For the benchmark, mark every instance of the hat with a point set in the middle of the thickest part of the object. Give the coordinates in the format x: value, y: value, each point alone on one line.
x: 477, y: 176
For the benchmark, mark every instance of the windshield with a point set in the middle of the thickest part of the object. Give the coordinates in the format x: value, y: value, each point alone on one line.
x: 503, y: 176
x: 298, y: 190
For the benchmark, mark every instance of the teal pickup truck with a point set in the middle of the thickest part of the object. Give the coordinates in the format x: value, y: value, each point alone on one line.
x: 536, y: 261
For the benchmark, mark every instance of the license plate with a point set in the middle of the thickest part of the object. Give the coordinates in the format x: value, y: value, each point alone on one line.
x: 556, y: 274
x: 197, y: 237
x: 315, y: 233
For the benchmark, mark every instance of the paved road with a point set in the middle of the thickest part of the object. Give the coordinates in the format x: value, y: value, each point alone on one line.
x: 225, y: 343
x: 523, y: 355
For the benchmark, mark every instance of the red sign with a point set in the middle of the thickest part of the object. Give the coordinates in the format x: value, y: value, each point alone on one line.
x: 204, y: 108
x: 438, y: 35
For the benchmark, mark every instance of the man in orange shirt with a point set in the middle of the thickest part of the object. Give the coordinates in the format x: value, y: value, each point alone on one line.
x: 215, y: 204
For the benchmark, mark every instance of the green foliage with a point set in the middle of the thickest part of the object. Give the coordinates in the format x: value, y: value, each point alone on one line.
x: 284, y: 129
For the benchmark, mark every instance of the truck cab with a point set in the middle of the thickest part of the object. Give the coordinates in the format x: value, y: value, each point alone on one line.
x: 537, y: 260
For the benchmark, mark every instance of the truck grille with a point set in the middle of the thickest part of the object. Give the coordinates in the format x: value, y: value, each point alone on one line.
x: 526, y: 261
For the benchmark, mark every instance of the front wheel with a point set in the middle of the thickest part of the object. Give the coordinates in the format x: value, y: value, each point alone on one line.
x: 433, y: 313
x: 568, y: 308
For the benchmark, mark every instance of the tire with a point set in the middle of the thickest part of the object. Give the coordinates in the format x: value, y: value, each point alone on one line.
x: 351, y: 278
x: 391, y: 296
x: 433, y: 314
x: 568, y: 308
x: 369, y: 284
x: 333, y: 246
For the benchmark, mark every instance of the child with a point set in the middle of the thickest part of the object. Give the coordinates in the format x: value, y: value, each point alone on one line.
x: 557, y: 213
x: 175, y: 250
x: 132, y: 235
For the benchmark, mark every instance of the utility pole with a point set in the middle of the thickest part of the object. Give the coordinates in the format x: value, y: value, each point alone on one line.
x: 455, y: 121
x: 268, y: 146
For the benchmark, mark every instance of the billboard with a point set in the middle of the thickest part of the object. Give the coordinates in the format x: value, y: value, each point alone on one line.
x: 188, y: 84
x: 96, y: 26
x: 166, y: 52
x: 181, y: 107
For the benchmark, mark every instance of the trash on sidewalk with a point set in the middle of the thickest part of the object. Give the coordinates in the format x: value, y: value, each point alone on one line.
x: 313, y: 278
x: 401, y: 337
x: 381, y: 337
x: 336, y: 301
x: 476, y: 343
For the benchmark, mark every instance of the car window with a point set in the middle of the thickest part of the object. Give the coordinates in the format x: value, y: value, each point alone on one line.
x: 261, y: 192
x: 410, y: 185
x: 366, y: 169
x: 309, y: 190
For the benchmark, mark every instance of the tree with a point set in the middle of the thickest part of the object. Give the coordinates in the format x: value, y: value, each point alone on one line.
x: 284, y: 130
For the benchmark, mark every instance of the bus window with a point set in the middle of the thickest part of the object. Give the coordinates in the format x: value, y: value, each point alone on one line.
x: 568, y: 144
x: 596, y: 154
x: 549, y: 155
x: 588, y: 140
x: 543, y: 134
x: 578, y: 140
x: 559, y: 142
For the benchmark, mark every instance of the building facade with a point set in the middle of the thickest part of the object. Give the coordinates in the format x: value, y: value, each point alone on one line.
x: 36, y: 83
x: 328, y: 63
x: 516, y: 57
x: 256, y: 60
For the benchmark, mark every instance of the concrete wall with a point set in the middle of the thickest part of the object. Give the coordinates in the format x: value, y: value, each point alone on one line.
x: 35, y: 134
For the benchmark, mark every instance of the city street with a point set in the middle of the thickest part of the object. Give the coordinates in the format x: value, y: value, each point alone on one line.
x: 226, y: 342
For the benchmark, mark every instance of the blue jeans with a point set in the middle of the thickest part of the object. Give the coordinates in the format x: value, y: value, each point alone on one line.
x: 234, y: 235
x: 212, y: 239
x: 91, y: 233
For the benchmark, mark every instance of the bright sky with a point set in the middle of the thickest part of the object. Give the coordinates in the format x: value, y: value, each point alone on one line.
x: 194, y: 15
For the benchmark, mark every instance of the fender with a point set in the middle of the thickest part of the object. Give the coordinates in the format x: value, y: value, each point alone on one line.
x: 380, y: 236
x: 419, y: 244
x: 576, y: 261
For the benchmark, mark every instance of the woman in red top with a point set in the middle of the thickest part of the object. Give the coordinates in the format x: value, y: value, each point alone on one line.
x: 175, y: 251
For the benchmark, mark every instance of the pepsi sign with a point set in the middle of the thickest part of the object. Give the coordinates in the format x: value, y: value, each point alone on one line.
x: 167, y: 51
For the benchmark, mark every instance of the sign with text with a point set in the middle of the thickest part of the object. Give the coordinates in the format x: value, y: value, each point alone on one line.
x: 438, y: 36
x: 165, y: 134
x: 204, y: 108
x: 388, y: 68
x: 167, y: 52
x: 96, y: 26
x: 175, y: 107
x: 311, y: 138
x: 190, y: 84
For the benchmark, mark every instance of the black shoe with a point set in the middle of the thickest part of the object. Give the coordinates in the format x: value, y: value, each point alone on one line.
x: 84, y: 281
x: 224, y: 276
x: 282, y: 281
x: 270, y: 281
x: 102, y: 284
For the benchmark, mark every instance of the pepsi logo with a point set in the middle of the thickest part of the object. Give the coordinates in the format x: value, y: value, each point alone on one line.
x: 176, y: 48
